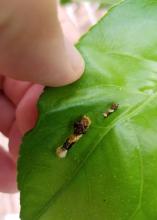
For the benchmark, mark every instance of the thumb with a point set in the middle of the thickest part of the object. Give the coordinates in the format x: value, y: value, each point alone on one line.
x: 32, y: 45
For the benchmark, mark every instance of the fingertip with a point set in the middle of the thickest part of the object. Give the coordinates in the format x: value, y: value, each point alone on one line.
x: 26, y: 112
x: 78, y: 64
x: 69, y: 69
x: 76, y: 61
x: 15, y: 139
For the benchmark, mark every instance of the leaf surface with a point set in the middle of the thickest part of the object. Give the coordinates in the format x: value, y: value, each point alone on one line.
x: 102, y: 2
x: 110, y: 174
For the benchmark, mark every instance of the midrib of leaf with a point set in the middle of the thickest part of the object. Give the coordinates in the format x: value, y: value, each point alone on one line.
x: 125, y: 115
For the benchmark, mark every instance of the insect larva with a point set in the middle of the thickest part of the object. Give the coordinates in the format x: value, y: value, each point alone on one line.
x: 113, y: 108
x: 80, y: 128
x: 61, y: 152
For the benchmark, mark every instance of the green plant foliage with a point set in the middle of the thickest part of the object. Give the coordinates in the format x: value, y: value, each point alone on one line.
x: 65, y: 1
x: 110, y: 174
x: 108, y: 3
x: 102, y: 2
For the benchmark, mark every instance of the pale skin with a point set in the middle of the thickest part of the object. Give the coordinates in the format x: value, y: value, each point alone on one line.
x: 33, y: 53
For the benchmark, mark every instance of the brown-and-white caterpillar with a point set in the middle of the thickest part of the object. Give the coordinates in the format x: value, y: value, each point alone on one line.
x: 80, y: 128
x: 113, y: 108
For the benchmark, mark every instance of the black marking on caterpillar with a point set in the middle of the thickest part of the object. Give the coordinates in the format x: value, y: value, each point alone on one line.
x: 112, y: 109
x: 80, y: 128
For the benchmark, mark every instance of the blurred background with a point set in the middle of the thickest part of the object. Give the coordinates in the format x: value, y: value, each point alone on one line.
x: 76, y: 19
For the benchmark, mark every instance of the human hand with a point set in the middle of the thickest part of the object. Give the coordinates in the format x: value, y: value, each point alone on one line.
x: 32, y: 48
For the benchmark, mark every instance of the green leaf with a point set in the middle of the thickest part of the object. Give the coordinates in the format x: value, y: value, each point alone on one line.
x: 102, y: 2
x: 65, y: 1
x: 110, y: 174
